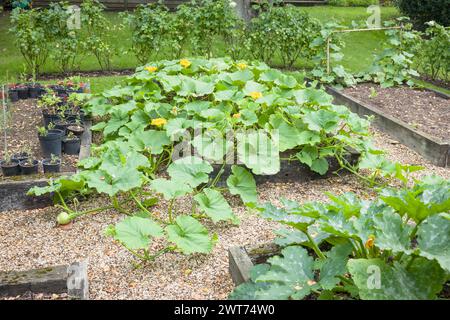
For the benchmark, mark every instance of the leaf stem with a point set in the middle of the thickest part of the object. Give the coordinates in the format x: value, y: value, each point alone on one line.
x: 314, y: 246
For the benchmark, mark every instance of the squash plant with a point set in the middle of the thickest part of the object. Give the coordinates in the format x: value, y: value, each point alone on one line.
x: 219, y: 108
x: 394, y: 247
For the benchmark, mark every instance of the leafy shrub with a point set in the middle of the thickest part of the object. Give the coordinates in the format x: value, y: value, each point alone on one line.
x: 287, y: 31
x: 95, y: 38
x: 31, y: 36
x: 392, y: 248
x: 212, y: 19
x: 422, y: 11
x: 149, y: 26
x: 434, y: 53
x: 66, y: 43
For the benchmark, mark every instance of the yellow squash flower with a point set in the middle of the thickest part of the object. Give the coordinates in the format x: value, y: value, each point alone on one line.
x: 151, y: 69
x: 255, y: 95
x: 185, y: 63
x: 236, y: 115
x: 370, y: 242
x: 159, y: 122
x: 242, y: 66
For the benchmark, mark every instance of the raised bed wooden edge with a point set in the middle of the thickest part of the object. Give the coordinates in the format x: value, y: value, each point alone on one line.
x: 71, y: 279
x: 429, y: 147
x: 13, y: 194
x: 242, y: 259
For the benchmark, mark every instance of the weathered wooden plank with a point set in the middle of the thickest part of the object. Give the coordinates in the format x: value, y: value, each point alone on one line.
x: 71, y: 279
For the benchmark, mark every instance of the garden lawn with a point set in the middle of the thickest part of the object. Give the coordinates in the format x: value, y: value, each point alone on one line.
x: 358, y: 53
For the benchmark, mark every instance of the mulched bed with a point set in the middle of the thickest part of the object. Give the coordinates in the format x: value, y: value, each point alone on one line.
x: 423, y: 110
x: 30, y: 239
x: 24, y: 116
x: 38, y: 296
x: 93, y: 73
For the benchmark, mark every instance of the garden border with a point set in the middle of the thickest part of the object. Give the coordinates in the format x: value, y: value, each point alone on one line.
x: 242, y: 259
x: 429, y: 147
x: 71, y: 279
x: 13, y: 194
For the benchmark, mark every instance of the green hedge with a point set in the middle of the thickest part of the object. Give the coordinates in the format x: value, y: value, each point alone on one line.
x: 422, y: 11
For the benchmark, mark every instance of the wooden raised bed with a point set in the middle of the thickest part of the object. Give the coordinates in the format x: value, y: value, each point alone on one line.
x: 242, y: 259
x: 430, y: 147
x: 13, y: 192
x: 71, y: 279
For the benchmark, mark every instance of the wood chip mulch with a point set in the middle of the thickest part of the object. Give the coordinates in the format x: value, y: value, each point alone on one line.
x: 422, y: 109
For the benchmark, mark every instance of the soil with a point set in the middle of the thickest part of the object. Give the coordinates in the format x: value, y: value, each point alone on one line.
x: 24, y: 116
x: 94, y: 73
x: 422, y: 109
x: 38, y: 296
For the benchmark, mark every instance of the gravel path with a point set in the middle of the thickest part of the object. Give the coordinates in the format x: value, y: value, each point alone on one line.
x: 30, y: 239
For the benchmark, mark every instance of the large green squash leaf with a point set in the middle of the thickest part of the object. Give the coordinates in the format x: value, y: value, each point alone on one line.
x: 241, y: 182
x: 290, y: 275
x: 135, y: 232
x: 215, y: 206
x: 190, y: 170
x: 335, y: 265
x: 434, y: 240
x: 258, y: 152
x: 377, y: 280
x: 189, y: 235
x: 170, y: 189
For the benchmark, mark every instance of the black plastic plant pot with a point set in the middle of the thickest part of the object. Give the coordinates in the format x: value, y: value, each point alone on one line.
x: 51, y: 144
x: 50, y: 167
x: 13, y: 95
x: 10, y: 168
x: 62, y: 125
x: 49, y: 117
x: 57, y: 131
x: 72, y: 146
x: 76, y: 130
x: 20, y: 156
x: 23, y: 93
x: 70, y: 116
x: 29, y: 167
x: 35, y: 91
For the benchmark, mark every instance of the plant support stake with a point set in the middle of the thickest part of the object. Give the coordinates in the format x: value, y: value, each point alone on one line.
x: 4, y: 120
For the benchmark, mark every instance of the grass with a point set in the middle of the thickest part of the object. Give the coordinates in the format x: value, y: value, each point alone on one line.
x: 358, y: 52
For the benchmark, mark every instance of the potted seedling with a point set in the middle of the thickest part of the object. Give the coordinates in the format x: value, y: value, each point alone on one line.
x: 50, y: 142
x: 29, y: 166
x: 51, y: 128
x: 49, y: 104
x: 52, y: 165
x: 74, y: 103
x: 10, y: 167
x: 23, y: 154
x: 22, y: 91
x: 35, y: 90
x: 71, y: 144
x: 12, y: 93
x: 63, y: 123
x: 76, y: 128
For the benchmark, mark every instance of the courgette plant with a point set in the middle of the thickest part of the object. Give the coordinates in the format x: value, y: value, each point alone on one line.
x: 196, y: 103
x: 395, y: 247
